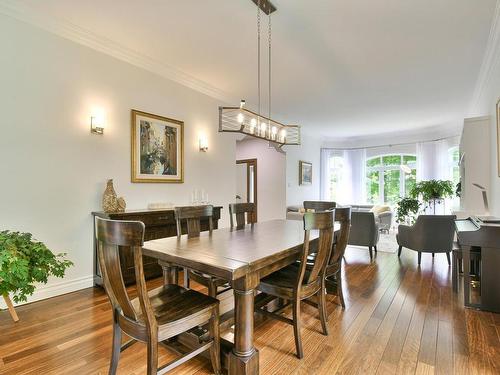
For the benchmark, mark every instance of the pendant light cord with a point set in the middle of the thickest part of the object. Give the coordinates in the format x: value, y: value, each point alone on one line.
x: 269, y: 35
x: 258, y: 57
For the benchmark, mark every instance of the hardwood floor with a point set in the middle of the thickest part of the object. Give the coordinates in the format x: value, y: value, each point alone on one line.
x: 399, y: 319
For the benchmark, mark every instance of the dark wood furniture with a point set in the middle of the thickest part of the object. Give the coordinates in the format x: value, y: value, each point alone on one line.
x: 192, y: 216
x: 153, y: 316
x: 243, y: 257
x: 240, y: 211
x: 298, y: 283
x: 319, y: 205
x: 159, y: 224
x: 480, y: 241
x: 252, y: 196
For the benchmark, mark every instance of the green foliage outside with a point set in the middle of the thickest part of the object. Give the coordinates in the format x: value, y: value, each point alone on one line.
x: 24, y: 262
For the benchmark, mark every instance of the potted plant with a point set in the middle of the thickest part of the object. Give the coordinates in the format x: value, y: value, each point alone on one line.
x: 407, y: 210
x: 433, y: 191
x: 25, y: 261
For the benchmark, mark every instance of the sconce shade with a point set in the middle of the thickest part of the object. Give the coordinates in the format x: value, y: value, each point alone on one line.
x: 203, y: 141
x: 241, y: 120
x: 97, y: 124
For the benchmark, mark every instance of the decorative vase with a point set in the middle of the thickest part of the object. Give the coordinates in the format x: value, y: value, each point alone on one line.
x: 110, y: 202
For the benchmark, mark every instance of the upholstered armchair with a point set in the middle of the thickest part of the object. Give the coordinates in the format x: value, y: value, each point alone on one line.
x: 364, y: 230
x: 430, y: 234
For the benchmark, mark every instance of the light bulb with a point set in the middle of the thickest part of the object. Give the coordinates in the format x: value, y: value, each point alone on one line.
x: 283, y: 133
x: 253, y: 123
x: 240, y: 118
x: 274, y: 130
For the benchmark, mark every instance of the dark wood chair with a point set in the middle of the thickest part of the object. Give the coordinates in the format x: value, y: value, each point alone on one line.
x: 192, y: 216
x: 153, y: 316
x: 319, y: 206
x: 239, y: 211
x: 295, y: 284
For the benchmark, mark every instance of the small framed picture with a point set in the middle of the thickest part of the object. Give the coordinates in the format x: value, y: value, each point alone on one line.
x: 305, y: 173
x: 157, y: 148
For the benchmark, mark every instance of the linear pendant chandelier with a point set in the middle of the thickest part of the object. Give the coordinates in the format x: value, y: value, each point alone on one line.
x: 241, y: 120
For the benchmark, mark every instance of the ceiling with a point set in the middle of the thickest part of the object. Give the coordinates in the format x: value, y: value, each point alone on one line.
x: 341, y: 68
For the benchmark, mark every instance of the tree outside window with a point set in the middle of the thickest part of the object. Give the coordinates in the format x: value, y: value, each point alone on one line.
x: 390, y: 177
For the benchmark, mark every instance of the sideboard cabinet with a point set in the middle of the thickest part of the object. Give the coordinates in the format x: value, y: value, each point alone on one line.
x: 159, y: 224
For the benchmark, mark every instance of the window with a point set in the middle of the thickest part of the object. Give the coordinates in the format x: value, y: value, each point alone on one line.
x: 336, y: 166
x: 453, y: 159
x: 390, y: 177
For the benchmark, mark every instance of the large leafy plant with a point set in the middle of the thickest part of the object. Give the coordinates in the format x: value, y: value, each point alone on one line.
x: 407, y: 210
x: 432, y: 189
x: 24, y: 262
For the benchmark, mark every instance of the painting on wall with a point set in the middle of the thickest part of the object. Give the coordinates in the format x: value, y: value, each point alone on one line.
x: 157, y: 148
x: 305, y: 173
x: 498, y: 136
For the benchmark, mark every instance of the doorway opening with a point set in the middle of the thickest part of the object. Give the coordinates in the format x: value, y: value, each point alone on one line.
x: 246, y: 182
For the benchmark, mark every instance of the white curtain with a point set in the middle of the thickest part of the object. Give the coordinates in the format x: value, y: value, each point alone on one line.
x: 433, y: 159
x: 354, y: 188
x: 326, y: 154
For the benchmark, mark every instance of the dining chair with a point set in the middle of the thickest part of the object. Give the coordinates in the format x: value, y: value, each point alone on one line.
x: 333, y: 273
x: 295, y: 284
x: 192, y: 215
x: 318, y: 206
x: 155, y: 316
x: 239, y: 211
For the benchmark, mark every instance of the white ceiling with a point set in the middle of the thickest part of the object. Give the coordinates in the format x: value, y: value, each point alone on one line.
x: 340, y: 67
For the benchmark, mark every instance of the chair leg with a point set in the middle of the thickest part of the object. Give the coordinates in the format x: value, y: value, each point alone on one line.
x: 322, y: 309
x: 152, y: 356
x: 399, y: 250
x: 186, y: 278
x: 433, y: 255
x: 117, y: 342
x: 340, y: 292
x: 215, y: 348
x: 375, y: 247
x: 448, y: 258
x: 419, y: 257
x: 212, y: 289
x: 371, y: 252
x: 296, y: 328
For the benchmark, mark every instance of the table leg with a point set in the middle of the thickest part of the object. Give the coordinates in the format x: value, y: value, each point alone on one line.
x: 466, y: 265
x: 244, y: 359
x: 170, y: 273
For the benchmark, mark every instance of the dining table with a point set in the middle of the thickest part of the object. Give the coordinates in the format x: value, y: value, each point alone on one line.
x: 242, y: 257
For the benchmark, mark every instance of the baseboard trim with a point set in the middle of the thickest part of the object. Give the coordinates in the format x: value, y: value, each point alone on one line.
x: 55, y: 289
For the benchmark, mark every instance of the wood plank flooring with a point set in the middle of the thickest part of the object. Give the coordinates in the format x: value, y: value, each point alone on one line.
x: 399, y: 319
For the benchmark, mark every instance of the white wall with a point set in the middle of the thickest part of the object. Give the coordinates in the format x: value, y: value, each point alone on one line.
x: 309, y: 150
x: 271, y: 177
x: 53, y: 171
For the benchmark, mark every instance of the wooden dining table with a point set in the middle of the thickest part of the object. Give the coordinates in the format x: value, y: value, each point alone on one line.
x: 242, y: 257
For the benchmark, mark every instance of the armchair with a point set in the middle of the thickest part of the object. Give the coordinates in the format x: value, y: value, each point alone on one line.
x: 364, y: 230
x: 430, y: 234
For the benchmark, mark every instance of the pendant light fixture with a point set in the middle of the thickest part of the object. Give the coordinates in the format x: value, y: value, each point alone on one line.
x: 239, y: 119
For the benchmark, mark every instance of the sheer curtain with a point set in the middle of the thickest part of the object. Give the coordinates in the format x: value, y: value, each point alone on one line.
x: 324, y: 189
x: 354, y: 188
x: 433, y: 159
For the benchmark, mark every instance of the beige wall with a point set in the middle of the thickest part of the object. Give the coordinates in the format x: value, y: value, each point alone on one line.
x: 53, y: 171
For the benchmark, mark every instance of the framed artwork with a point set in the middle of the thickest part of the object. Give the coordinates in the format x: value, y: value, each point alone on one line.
x: 157, y: 148
x: 305, y: 173
x: 498, y: 136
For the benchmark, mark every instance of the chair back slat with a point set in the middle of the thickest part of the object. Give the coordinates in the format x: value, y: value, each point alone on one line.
x: 192, y: 215
x: 343, y: 216
x: 319, y: 206
x: 322, y: 221
x: 110, y: 236
x: 239, y: 211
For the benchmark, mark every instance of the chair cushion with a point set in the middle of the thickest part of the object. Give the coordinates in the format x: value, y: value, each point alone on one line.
x: 173, y: 302
x: 377, y: 210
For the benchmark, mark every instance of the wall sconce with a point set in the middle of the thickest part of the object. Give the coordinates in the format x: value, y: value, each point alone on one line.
x: 97, y: 122
x: 203, y: 141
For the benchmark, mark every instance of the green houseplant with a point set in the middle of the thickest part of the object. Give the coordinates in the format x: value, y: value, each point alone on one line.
x: 407, y: 210
x: 433, y: 192
x: 25, y: 261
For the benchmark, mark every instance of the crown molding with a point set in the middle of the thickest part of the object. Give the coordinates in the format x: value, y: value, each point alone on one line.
x: 490, y: 60
x: 77, y: 34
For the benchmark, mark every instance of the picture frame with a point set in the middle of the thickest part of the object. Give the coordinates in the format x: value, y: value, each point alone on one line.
x: 157, y: 148
x: 498, y: 136
x: 305, y: 173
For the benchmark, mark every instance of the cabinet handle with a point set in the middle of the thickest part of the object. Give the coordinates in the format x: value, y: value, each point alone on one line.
x: 162, y: 217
